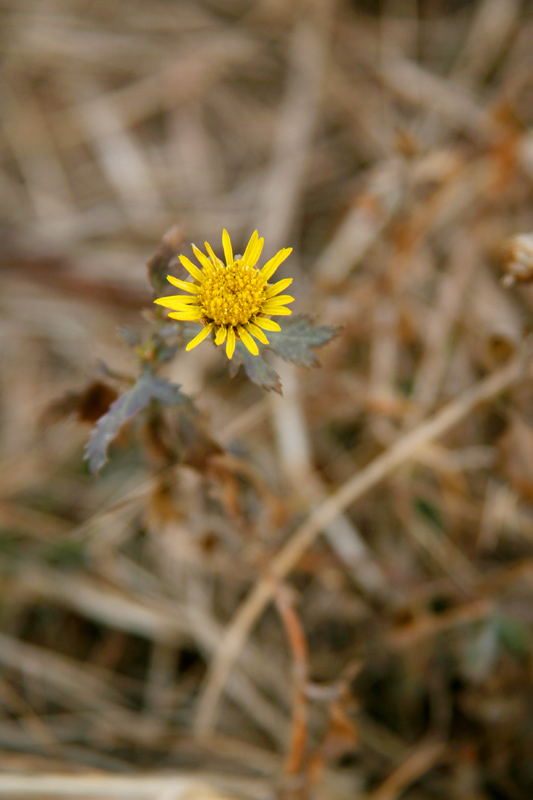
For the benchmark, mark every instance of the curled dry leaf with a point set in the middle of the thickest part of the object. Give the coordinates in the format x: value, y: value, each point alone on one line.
x: 88, y: 405
x: 518, y: 252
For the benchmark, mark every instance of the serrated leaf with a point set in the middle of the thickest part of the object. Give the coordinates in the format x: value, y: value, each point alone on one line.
x: 293, y: 342
x: 256, y: 369
x: 146, y: 389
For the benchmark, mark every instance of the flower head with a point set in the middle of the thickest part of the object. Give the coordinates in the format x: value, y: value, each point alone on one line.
x: 233, y: 300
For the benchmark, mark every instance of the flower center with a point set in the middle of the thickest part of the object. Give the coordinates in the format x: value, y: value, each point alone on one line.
x: 232, y: 295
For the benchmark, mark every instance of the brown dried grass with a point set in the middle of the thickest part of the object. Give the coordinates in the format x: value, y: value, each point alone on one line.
x: 331, y: 598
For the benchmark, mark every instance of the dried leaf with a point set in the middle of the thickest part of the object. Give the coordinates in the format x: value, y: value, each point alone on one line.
x: 163, y: 505
x: 129, y: 404
x: 292, y: 343
x: 518, y: 256
x: 159, y: 441
x: 88, y: 404
x: 257, y: 370
x: 197, y: 446
x: 159, y: 263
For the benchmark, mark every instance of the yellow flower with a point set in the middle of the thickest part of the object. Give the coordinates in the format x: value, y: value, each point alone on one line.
x: 234, y: 300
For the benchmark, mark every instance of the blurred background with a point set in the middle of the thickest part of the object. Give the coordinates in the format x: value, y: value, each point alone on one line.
x: 391, y: 145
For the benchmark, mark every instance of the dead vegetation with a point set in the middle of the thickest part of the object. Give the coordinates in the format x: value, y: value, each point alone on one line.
x: 325, y: 594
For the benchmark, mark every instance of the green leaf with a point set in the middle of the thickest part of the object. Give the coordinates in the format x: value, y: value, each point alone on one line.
x: 257, y: 370
x: 298, y: 334
x: 129, y: 404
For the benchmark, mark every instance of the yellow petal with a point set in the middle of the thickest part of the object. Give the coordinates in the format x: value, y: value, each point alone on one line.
x: 278, y: 287
x: 202, y: 258
x: 186, y: 315
x: 247, y: 340
x: 187, y: 299
x: 185, y: 285
x: 272, y: 265
x: 267, y: 324
x: 280, y: 300
x: 176, y: 300
x: 221, y: 335
x: 228, y: 250
x: 201, y: 336
x: 230, y: 344
x: 250, y: 247
x: 279, y: 311
x: 256, y: 252
x: 190, y: 267
x: 257, y: 332
x: 216, y: 261
x: 188, y: 310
